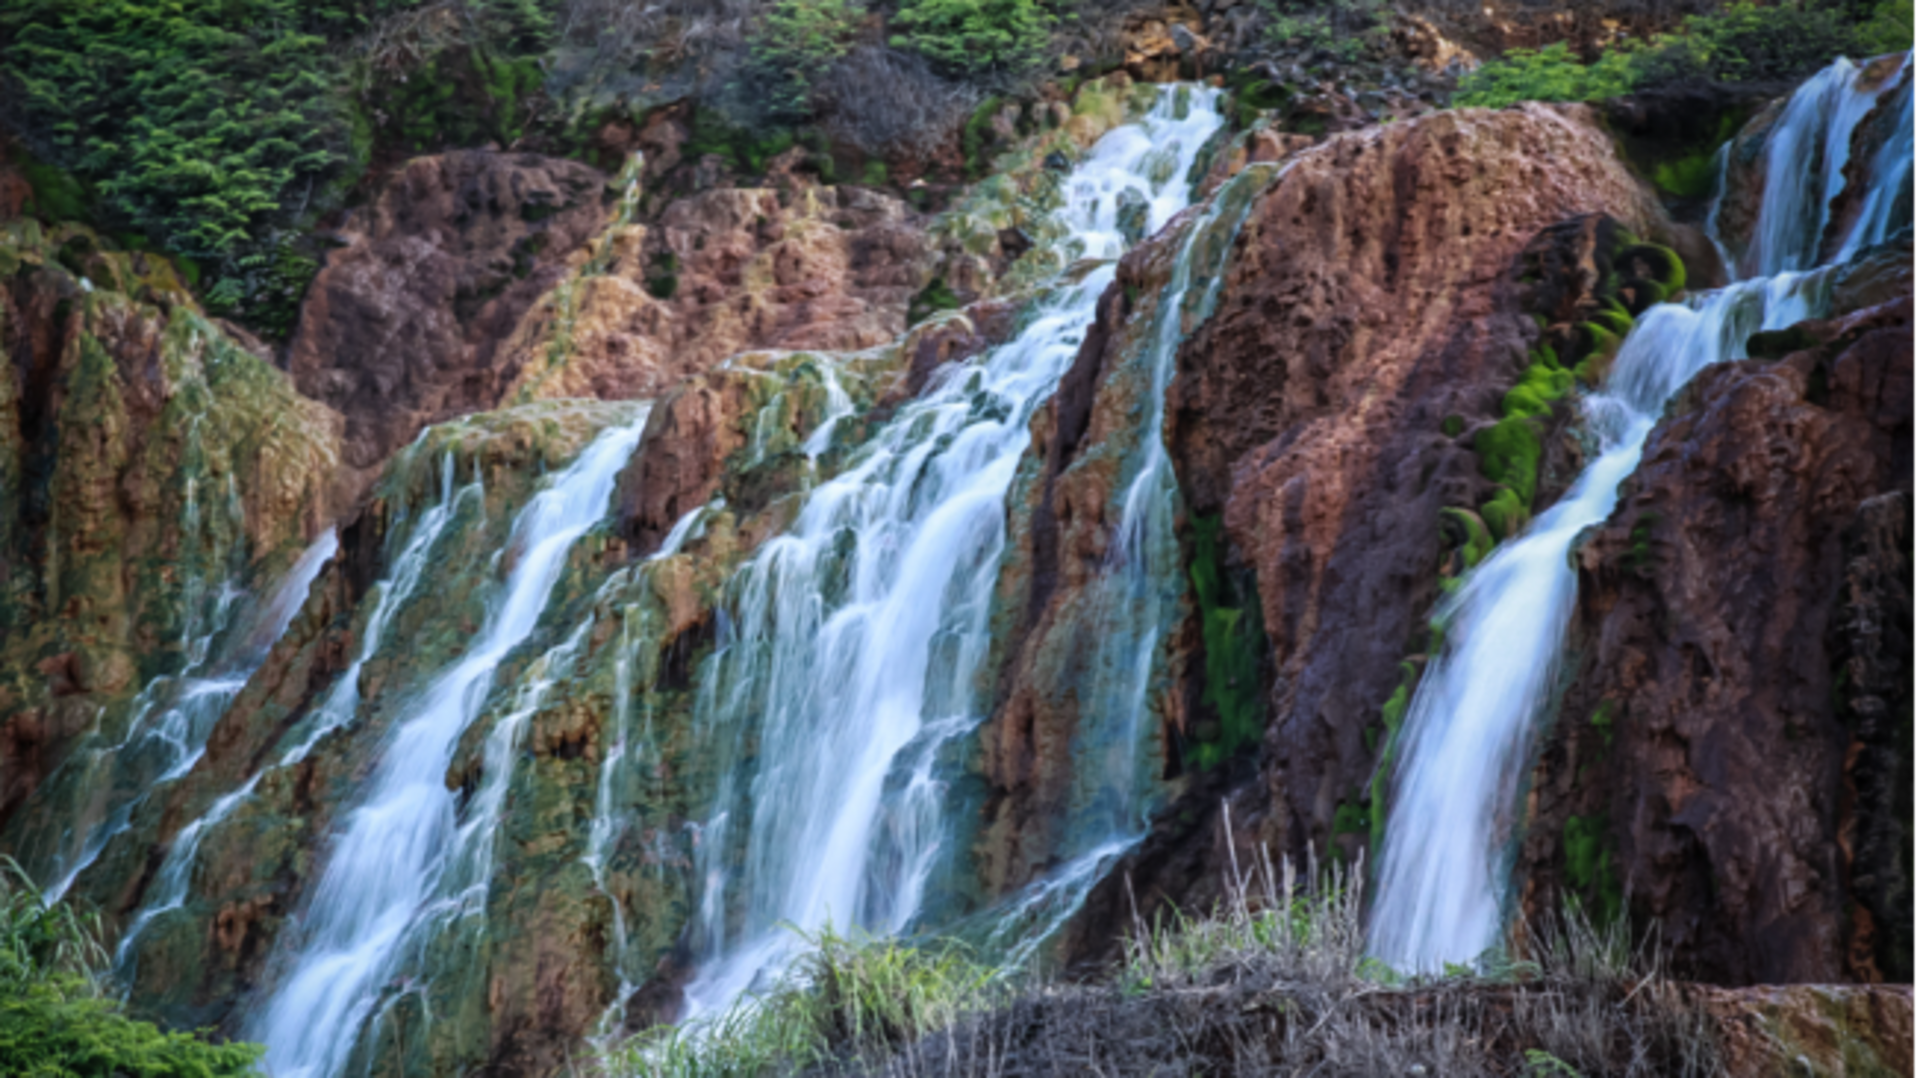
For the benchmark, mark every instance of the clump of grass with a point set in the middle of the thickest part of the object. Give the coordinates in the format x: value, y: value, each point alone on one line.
x: 1275, y: 978
x: 850, y: 1002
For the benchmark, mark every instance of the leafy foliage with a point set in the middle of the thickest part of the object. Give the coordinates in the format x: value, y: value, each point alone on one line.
x: 977, y: 37
x: 1784, y: 41
x: 54, y: 1020
x: 1341, y: 28
x: 197, y: 120
x: 798, y: 41
x: 1550, y: 74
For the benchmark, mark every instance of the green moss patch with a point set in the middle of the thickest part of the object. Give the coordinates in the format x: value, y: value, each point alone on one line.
x: 1235, y: 643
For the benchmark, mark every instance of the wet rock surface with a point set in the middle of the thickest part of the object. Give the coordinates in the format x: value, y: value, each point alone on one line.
x: 1733, y: 758
x: 1371, y: 321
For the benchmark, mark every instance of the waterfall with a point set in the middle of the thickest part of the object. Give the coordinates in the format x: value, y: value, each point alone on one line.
x: 390, y: 852
x: 171, y: 882
x: 1469, y: 728
x: 855, y: 638
x: 173, y: 715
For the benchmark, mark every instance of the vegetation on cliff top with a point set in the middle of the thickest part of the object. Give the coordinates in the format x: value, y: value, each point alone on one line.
x: 56, y: 1020
x: 1744, y: 42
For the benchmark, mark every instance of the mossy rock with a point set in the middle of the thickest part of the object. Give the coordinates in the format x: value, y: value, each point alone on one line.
x: 1505, y: 515
x: 1468, y: 533
x: 1652, y: 262
x: 1510, y: 456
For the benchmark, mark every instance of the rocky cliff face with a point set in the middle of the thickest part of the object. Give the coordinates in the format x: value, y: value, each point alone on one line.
x: 1368, y: 324
x: 1733, y: 758
x: 404, y: 323
x: 1369, y: 378
x: 151, y: 465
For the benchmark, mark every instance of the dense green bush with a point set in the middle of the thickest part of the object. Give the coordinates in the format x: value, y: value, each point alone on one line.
x: 797, y: 42
x: 198, y: 121
x: 54, y: 1020
x: 1786, y: 41
x: 978, y: 37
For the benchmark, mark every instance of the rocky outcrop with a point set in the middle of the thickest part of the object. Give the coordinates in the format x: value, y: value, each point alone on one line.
x: 1733, y: 759
x: 1824, y: 1031
x: 1376, y: 312
x: 723, y: 272
x: 403, y: 325
x: 148, y: 462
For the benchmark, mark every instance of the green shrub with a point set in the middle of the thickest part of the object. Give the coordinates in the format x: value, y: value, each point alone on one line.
x: 1745, y: 41
x: 1553, y: 73
x: 797, y: 41
x: 1235, y: 643
x: 198, y: 121
x: 974, y: 37
x: 1888, y: 28
x: 54, y: 1020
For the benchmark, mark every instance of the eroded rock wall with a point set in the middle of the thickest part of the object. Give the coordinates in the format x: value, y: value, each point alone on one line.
x: 1733, y: 758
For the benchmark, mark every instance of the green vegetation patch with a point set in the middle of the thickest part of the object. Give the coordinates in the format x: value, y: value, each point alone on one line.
x: 975, y: 37
x: 1745, y: 41
x: 1236, y: 644
x: 1587, y: 844
x: 56, y: 1020
x: 795, y: 44
x: 196, y: 120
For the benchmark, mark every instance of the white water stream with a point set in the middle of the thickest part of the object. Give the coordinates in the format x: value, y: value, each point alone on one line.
x: 384, y: 866
x: 857, y: 635
x: 174, y: 715
x: 171, y: 883
x: 1468, y: 738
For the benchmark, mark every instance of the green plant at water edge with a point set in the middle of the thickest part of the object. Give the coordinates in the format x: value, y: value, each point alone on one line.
x: 1393, y: 715
x: 1235, y: 643
x: 1590, y: 865
x: 55, y: 1021
x: 974, y: 37
x: 795, y: 44
x: 848, y: 998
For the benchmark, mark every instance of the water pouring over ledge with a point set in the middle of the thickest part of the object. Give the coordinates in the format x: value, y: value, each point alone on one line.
x: 858, y: 634
x: 1468, y: 733
x: 386, y: 860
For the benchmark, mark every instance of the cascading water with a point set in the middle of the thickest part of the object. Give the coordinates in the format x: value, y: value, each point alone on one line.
x: 1467, y: 738
x: 171, y: 883
x: 856, y: 636
x: 174, y: 715
x: 385, y: 867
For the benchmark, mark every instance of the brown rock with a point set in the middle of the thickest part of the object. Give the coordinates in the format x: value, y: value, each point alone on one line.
x: 1826, y: 1031
x: 1375, y: 294
x: 723, y: 272
x: 402, y: 326
x: 1749, y: 794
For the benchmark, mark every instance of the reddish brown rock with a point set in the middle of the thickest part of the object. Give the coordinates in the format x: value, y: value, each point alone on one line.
x: 403, y: 325
x: 1819, y: 1030
x: 1375, y: 293
x: 723, y: 272
x: 1735, y: 749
